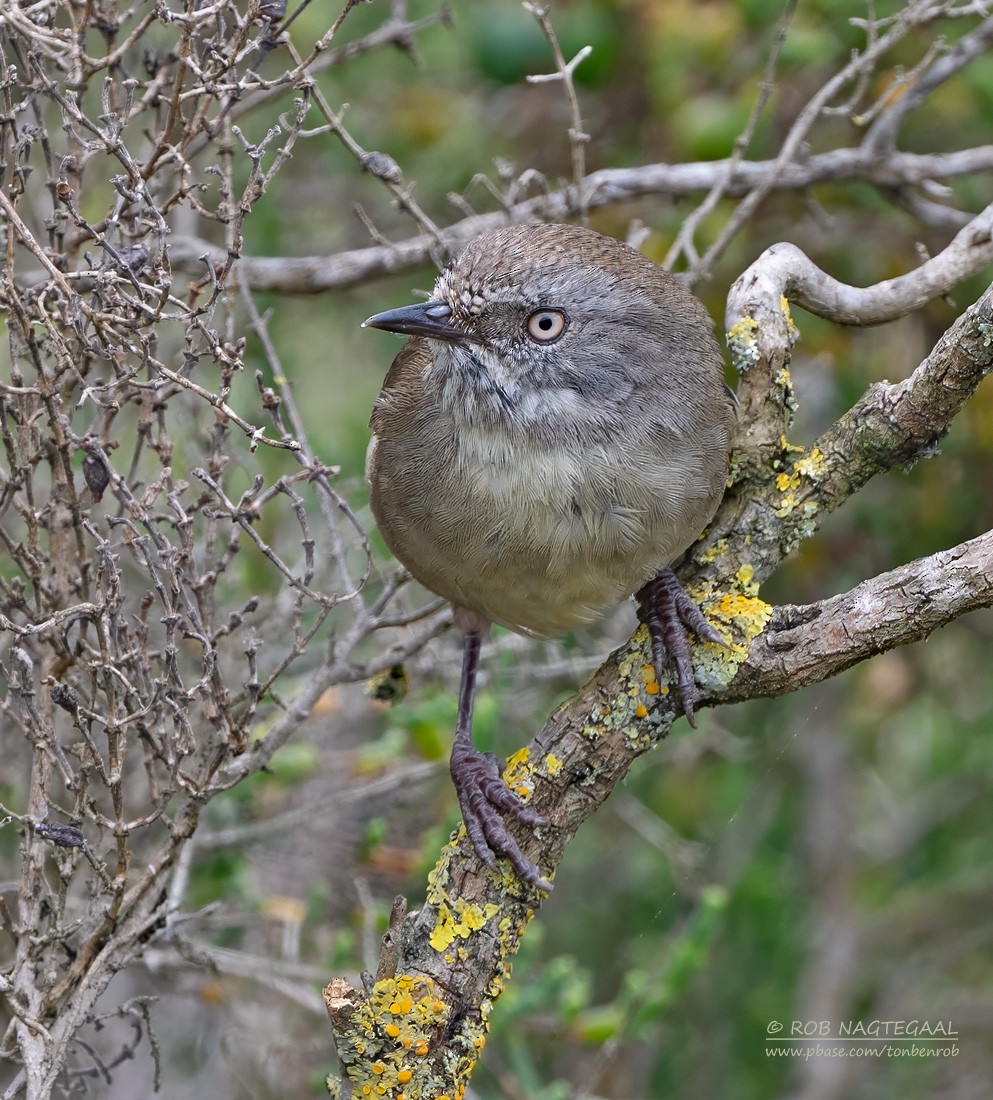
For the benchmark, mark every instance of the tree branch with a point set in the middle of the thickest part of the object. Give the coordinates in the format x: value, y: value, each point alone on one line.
x: 805, y: 644
x: 796, y: 277
x: 453, y: 955
x: 609, y: 187
x: 882, y: 136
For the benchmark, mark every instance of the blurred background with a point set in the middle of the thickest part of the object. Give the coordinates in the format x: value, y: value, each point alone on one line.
x: 824, y: 856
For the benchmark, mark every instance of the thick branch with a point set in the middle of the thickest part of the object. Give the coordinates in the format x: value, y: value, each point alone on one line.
x: 786, y: 491
x: 760, y: 334
x: 805, y: 644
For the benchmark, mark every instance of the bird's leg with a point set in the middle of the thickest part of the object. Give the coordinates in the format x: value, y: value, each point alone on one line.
x: 486, y: 801
x: 670, y: 614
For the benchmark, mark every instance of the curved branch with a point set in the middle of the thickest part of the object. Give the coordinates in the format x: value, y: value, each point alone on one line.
x: 784, y: 491
x: 783, y: 270
x: 760, y: 334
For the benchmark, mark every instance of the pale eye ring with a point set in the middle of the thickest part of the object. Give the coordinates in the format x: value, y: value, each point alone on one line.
x: 545, y: 326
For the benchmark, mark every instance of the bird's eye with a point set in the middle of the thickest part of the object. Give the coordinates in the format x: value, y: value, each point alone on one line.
x: 547, y: 325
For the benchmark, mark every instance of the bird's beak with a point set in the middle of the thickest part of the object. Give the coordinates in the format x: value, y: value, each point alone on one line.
x: 429, y: 319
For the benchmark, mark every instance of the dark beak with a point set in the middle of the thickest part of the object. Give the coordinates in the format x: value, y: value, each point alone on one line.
x: 429, y: 319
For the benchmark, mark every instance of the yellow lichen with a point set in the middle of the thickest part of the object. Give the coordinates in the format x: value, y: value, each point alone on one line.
x: 517, y: 774
x: 809, y: 469
x: 553, y: 765
x: 736, y: 614
x: 712, y: 553
x: 785, y: 445
x: 376, y: 1054
x: 784, y: 305
x: 748, y: 613
x: 459, y: 921
x: 744, y: 579
x: 812, y: 466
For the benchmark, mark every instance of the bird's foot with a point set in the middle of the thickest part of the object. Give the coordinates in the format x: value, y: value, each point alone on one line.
x: 670, y: 614
x: 487, y: 804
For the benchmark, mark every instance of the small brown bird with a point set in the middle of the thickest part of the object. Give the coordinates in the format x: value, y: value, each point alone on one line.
x: 551, y: 438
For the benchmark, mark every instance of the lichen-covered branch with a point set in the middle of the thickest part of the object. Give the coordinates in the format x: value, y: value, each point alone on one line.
x: 784, y: 490
x: 423, y: 1024
x: 804, y: 644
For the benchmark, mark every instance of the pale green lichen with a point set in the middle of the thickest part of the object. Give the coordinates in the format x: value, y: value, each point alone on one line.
x: 739, y: 468
x: 640, y: 740
x: 741, y: 344
x: 630, y: 714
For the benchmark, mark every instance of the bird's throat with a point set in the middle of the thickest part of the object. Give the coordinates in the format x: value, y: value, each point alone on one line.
x: 471, y: 381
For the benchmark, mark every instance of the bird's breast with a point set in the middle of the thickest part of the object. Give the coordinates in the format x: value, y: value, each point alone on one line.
x: 537, y: 534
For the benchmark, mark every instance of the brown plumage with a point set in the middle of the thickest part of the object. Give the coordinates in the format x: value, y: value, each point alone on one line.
x: 553, y: 436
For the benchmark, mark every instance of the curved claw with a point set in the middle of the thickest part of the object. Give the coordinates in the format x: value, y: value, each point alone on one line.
x: 487, y: 802
x: 670, y: 614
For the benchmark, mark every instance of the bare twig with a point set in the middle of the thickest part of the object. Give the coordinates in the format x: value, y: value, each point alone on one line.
x: 564, y: 70
x: 683, y: 244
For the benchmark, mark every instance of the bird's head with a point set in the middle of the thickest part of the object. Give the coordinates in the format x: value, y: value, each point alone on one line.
x: 540, y: 318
